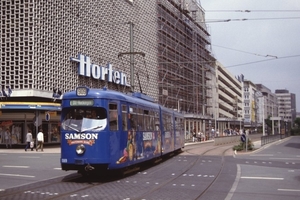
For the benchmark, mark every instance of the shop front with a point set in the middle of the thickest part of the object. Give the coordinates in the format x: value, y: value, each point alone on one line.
x: 16, y: 118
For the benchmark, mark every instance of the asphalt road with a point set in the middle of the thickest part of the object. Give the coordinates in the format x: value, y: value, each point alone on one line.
x: 18, y: 167
x: 271, y: 172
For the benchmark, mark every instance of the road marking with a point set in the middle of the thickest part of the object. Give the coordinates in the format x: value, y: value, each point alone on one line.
x: 235, y: 184
x: 262, y: 155
x: 29, y: 156
x: 289, y: 190
x: 18, y: 175
x: 261, y: 178
x: 285, y: 158
x: 57, y: 168
x: 11, y: 166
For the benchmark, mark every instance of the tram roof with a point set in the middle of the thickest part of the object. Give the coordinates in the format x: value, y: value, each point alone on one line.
x: 136, y: 98
x: 112, y: 94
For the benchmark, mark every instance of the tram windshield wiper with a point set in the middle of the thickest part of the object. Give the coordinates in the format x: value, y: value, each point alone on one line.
x: 92, y: 128
x: 72, y: 128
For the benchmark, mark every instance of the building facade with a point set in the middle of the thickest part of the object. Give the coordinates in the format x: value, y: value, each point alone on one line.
x: 160, y: 48
x: 42, y: 43
x: 286, y: 108
x: 228, y: 100
x: 268, y: 110
x: 250, y: 103
x: 185, y: 63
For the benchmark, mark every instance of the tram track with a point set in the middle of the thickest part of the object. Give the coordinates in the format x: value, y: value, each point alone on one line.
x: 78, y: 187
x: 16, y: 192
x: 188, y: 168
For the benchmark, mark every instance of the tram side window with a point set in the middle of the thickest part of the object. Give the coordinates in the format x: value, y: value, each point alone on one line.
x: 113, y: 117
x: 146, y: 122
x: 124, y: 117
x: 140, y: 119
x: 156, y: 121
x: 167, y: 122
x: 170, y: 123
x: 132, y: 117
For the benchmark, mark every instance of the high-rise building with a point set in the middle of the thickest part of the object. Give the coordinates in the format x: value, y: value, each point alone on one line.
x: 286, y: 106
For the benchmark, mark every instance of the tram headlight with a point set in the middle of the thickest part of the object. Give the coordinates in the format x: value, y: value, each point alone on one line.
x: 82, y: 91
x: 80, y: 149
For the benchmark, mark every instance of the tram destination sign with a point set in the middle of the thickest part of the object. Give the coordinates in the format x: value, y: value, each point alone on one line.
x: 87, y: 69
x: 82, y: 102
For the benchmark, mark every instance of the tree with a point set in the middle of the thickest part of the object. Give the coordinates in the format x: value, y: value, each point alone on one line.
x: 297, y: 122
x: 268, y: 122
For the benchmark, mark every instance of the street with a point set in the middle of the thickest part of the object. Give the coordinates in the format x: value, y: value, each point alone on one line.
x: 271, y: 172
x: 20, y: 168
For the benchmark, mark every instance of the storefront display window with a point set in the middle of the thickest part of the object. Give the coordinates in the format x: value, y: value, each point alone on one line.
x: 25, y: 121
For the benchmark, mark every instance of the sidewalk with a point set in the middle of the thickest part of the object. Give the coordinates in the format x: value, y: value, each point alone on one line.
x: 46, y: 150
x: 56, y: 149
x: 190, y: 142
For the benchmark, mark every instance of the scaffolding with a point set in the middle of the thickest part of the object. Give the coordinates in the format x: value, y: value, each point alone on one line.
x: 185, y: 63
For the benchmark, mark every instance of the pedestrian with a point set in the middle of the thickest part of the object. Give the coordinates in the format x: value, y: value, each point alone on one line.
x: 199, y: 136
x: 40, y: 139
x: 194, y: 135
x: 202, y: 136
x: 28, y: 140
x: 7, y: 137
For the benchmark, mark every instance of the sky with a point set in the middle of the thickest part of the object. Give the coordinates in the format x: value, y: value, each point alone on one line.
x: 264, y: 47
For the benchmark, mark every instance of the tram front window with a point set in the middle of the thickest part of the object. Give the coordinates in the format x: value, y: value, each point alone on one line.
x: 84, y: 119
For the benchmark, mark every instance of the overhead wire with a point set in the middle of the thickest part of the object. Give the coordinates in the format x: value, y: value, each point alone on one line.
x: 248, y: 11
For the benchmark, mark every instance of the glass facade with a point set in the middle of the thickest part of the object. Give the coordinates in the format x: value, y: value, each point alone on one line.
x: 14, y: 125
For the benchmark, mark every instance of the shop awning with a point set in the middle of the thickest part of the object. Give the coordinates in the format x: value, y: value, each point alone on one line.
x: 30, y: 106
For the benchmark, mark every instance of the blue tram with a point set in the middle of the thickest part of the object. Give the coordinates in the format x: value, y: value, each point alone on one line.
x: 103, y: 129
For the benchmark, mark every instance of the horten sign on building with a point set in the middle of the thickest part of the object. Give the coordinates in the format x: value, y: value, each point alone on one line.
x: 86, y: 68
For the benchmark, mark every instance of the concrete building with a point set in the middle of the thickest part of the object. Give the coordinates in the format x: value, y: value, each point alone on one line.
x: 185, y: 64
x: 286, y: 107
x: 268, y: 109
x: 161, y: 48
x: 228, y: 100
x: 251, y: 108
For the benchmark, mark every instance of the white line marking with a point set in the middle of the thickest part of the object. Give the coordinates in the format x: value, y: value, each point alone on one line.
x: 262, y: 155
x: 57, y: 168
x: 261, y: 178
x: 284, y: 158
x: 29, y: 156
x: 18, y: 175
x: 235, y: 184
x: 11, y: 166
x: 289, y: 190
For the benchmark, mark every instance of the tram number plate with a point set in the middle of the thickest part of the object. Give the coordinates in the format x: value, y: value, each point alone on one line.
x: 79, y: 162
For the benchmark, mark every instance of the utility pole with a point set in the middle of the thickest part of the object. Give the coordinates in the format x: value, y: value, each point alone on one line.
x: 131, y: 53
x: 131, y: 57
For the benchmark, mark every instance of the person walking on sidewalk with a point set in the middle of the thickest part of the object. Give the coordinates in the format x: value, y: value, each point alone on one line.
x: 28, y: 140
x: 40, y: 139
x: 7, y: 137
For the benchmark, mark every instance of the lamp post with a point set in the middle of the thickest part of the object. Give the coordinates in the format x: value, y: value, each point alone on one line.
x: 272, y: 121
x: 178, y: 108
x: 260, y: 95
x: 263, y: 115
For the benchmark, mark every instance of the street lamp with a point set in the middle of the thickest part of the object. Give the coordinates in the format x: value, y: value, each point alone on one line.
x: 178, y: 108
x: 260, y: 95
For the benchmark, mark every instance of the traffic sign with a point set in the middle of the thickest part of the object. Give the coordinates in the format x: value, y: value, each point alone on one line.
x: 47, y: 116
x: 243, y: 138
